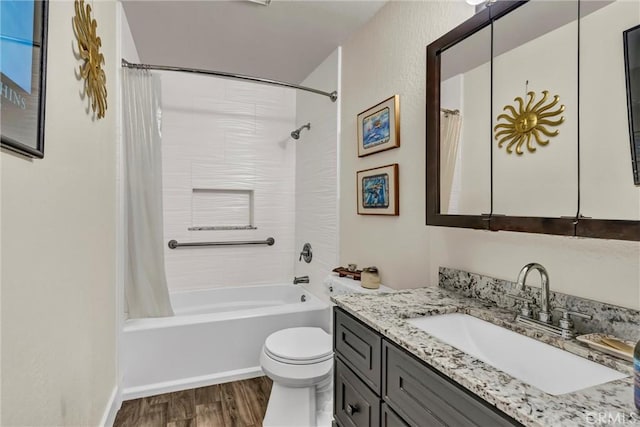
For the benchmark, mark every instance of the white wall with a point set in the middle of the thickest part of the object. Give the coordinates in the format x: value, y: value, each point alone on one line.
x: 408, y: 253
x: 58, y: 248
x: 386, y: 57
x: 228, y: 135
x: 317, y: 175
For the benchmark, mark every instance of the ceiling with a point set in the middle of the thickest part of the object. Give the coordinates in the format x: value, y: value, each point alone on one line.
x: 285, y: 41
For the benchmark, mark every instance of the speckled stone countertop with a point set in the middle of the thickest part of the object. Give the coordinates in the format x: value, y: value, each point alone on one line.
x: 606, y: 404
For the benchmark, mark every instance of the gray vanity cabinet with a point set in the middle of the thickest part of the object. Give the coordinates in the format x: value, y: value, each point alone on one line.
x: 357, y: 405
x: 360, y: 348
x: 376, y: 383
x: 424, y: 397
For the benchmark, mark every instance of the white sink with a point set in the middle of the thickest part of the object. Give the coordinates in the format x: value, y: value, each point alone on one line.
x: 548, y: 368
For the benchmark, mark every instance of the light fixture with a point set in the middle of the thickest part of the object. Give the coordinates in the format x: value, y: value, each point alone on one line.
x: 474, y: 2
x: 262, y: 2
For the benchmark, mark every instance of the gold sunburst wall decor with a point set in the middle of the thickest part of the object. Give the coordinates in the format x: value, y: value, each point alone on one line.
x: 528, y: 123
x: 89, y: 44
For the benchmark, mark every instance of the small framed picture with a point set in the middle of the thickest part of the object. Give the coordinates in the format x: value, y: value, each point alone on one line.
x: 379, y: 127
x: 377, y: 191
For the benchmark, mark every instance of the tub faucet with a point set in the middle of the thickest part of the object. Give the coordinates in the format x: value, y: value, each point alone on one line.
x: 301, y: 279
x: 544, y: 315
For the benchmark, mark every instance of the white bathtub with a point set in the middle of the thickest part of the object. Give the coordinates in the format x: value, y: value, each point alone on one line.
x: 216, y: 336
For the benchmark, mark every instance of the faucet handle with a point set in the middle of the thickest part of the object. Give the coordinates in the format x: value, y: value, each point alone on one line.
x: 566, y: 324
x: 306, y: 253
x: 525, y: 310
x: 566, y: 313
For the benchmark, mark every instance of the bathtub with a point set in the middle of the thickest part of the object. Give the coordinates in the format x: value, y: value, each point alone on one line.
x: 215, y: 336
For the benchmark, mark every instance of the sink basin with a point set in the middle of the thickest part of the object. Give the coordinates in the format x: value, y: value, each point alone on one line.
x: 548, y: 368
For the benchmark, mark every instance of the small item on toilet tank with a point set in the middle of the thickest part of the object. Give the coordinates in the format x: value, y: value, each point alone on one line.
x: 352, y: 267
x: 370, y: 278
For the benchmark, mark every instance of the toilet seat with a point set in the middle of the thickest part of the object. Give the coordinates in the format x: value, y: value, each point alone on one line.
x: 297, y: 357
x: 299, y: 346
x: 297, y: 362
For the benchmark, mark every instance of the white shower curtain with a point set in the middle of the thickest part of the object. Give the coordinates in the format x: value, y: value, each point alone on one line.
x: 146, y: 289
x: 450, y: 124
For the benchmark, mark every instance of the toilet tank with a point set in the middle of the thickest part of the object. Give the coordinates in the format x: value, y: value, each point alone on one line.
x: 336, y: 285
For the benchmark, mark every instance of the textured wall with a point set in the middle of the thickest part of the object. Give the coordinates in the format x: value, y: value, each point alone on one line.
x: 221, y: 134
x: 387, y: 57
x: 58, y: 248
x: 407, y: 252
x: 317, y: 175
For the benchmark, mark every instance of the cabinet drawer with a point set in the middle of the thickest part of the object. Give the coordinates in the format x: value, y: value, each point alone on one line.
x: 359, y: 346
x: 355, y: 405
x: 390, y: 418
x: 420, y: 395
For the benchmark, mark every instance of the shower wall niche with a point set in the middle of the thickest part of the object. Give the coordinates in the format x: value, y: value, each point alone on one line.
x: 229, y: 168
x: 216, y: 209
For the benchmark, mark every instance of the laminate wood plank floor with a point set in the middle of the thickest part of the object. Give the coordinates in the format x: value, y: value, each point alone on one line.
x: 235, y: 404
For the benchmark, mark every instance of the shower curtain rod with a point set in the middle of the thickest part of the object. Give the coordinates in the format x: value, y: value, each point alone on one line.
x: 333, y: 95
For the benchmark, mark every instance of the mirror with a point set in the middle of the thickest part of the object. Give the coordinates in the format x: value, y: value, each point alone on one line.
x: 465, y: 154
x: 632, y: 71
x: 568, y: 171
x: 23, y: 68
x: 535, y: 110
x: 608, y: 190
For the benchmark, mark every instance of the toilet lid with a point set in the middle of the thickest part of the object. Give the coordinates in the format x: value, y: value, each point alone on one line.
x: 299, y: 344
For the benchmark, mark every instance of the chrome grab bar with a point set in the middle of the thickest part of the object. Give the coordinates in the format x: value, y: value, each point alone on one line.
x: 270, y: 241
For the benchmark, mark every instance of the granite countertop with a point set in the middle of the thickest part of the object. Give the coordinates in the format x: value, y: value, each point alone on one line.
x: 387, y: 313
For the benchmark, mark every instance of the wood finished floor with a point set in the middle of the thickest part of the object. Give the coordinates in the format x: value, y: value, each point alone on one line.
x: 235, y: 404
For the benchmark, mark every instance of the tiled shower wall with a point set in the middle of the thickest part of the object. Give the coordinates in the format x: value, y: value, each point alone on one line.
x: 317, y: 175
x: 228, y: 159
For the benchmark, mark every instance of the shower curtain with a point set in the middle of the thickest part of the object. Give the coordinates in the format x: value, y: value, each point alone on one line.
x: 146, y: 290
x: 450, y: 125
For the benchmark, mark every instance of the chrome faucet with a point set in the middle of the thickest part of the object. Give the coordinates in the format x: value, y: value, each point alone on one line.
x: 301, y: 279
x: 565, y: 328
x: 544, y: 315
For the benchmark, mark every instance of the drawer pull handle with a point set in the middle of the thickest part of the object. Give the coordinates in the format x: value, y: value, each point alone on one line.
x: 352, y: 409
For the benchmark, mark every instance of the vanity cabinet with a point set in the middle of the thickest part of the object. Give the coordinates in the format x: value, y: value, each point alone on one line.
x: 377, y: 383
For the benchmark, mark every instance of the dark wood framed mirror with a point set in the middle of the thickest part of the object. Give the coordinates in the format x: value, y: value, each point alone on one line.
x: 488, y: 212
x: 632, y: 72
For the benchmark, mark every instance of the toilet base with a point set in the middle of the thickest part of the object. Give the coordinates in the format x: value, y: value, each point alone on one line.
x: 300, y: 406
x: 291, y: 407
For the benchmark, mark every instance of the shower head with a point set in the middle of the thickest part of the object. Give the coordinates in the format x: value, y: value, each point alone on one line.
x: 296, y: 133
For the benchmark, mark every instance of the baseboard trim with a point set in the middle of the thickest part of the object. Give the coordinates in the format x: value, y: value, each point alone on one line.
x: 113, y: 405
x: 129, y: 393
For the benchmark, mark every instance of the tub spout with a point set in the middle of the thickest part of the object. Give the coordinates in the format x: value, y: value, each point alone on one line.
x: 301, y: 279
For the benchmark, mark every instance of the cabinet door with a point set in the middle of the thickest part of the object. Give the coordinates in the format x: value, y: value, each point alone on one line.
x: 391, y: 419
x: 360, y: 348
x: 423, y: 397
x: 355, y: 405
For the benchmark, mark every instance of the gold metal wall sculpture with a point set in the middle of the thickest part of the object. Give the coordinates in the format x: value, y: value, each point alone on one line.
x: 89, y: 44
x: 528, y: 123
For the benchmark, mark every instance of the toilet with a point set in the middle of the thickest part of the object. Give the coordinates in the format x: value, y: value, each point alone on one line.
x: 300, y: 363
